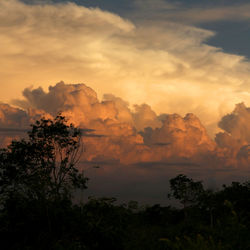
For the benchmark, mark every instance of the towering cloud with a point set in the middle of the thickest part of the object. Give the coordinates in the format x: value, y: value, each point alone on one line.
x: 236, y: 126
x: 186, y: 135
x: 161, y: 62
x: 135, y: 148
x: 80, y: 103
x: 137, y: 134
x: 236, y: 135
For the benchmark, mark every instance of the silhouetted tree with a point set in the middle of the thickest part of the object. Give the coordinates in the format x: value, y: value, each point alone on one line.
x: 185, y: 190
x: 208, y: 202
x: 43, y: 167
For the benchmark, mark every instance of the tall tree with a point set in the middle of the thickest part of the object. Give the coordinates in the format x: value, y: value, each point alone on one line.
x: 185, y: 189
x: 44, y: 165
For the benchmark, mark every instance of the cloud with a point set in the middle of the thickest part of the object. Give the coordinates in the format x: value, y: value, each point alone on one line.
x: 167, y: 65
x: 235, y: 138
x: 130, y: 135
x: 189, y: 12
x: 60, y: 97
x: 14, y: 123
x: 183, y: 136
x: 237, y: 123
x: 137, y: 134
x: 144, y: 117
x: 11, y: 117
x: 236, y: 135
x: 41, y: 41
x: 133, y: 145
x: 80, y: 103
x: 239, y: 12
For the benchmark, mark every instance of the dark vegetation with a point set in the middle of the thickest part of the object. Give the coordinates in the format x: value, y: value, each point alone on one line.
x: 38, y: 177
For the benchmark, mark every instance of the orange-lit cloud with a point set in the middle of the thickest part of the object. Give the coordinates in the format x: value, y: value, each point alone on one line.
x: 136, y: 135
x: 169, y: 66
x: 137, y: 150
x: 236, y: 135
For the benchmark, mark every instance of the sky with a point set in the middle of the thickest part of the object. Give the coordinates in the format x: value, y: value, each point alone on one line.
x: 185, y: 56
x: 166, y: 83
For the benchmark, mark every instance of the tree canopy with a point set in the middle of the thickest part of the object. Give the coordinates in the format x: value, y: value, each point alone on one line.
x: 185, y: 189
x: 39, y: 174
x: 44, y: 165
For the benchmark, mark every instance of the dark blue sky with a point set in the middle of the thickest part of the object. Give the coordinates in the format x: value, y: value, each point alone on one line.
x: 233, y: 37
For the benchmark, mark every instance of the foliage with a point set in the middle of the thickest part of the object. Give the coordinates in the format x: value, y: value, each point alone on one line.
x: 185, y: 190
x: 43, y: 167
x: 37, y: 180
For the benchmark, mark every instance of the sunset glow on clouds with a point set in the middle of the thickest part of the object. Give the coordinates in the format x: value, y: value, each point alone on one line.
x: 134, y: 147
x: 165, y: 64
x: 154, y: 89
x: 135, y: 135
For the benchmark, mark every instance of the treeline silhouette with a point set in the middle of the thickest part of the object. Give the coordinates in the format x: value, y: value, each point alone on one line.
x: 38, y: 180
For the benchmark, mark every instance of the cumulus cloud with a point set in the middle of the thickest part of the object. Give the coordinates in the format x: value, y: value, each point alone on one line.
x: 130, y: 135
x: 237, y: 123
x: 15, y: 122
x: 11, y: 117
x: 59, y: 98
x: 135, y: 141
x: 136, y: 133
x: 235, y: 138
x: 236, y: 135
x: 144, y: 117
x: 167, y: 65
x: 80, y: 103
x: 185, y: 135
